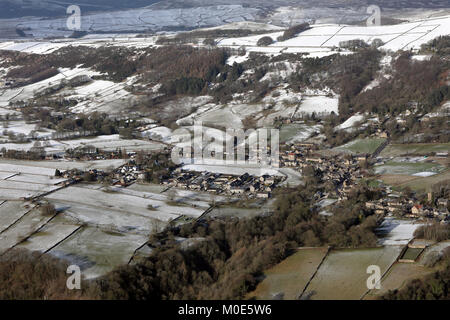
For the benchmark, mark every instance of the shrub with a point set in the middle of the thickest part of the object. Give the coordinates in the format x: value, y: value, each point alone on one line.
x: 27, y: 275
x: 265, y: 41
x: 293, y: 31
x: 436, y: 232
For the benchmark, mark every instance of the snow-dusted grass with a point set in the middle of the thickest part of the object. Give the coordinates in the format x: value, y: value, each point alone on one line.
x: 319, y: 105
x: 141, y: 19
x: 176, y: 198
x: 112, y: 143
x: 27, y: 225
x: 396, y: 232
x: 47, y: 168
x: 322, y: 37
x: 11, y: 166
x: 350, y: 122
x: 424, y: 174
x: 368, y: 145
x: 97, y: 251
x: 420, y: 169
x: 21, y: 127
x: 27, y: 92
x: 159, y: 133
x: 282, y: 70
x: 221, y: 117
x: 136, y: 203
x: 102, y: 96
x: 244, y: 25
x: 36, y: 179
x: 290, y: 276
x: 107, y: 217
x: 50, y: 235
x: 5, y: 175
x: 293, y: 177
x: 297, y: 132
x: 343, y: 274
x: 421, y: 57
x: 5, y: 111
x: 34, y: 187
x: 26, y: 179
x: 147, y: 187
x: 233, y: 170
x: 11, y: 211
x: 237, y: 59
x: 393, y: 150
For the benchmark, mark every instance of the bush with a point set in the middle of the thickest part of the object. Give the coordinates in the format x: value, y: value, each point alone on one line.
x: 437, y: 232
x: 26, y: 275
x: 293, y: 31
x: 264, y: 41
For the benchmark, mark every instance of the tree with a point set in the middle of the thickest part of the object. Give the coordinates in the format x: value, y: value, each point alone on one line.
x: 293, y: 31
x: 264, y: 41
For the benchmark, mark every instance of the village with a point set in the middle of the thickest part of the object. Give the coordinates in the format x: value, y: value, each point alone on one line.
x: 336, y: 176
x: 339, y: 172
x: 409, y: 207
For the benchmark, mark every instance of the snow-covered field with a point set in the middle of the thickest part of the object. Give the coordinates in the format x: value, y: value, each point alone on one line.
x: 28, y: 224
x: 397, y: 232
x: 134, y: 203
x: 27, y: 92
x: 319, y: 105
x: 50, y: 235
x: 350, y: 122
x: 12, y: 211
x: 424, y: 174
x: 321, y: 39
x: 27, y: 129
x: 97, y: 251
x: 233, y: 170
x: 105, y: 143
x: 47, y: 168
x: 114, y: 142
x: 101, y: 96
x: 96, y: 228
x: 26, y: 179
x: 297, y: 132
x: 15, y: 185
x: 163, y: 134
x: 142, y: 19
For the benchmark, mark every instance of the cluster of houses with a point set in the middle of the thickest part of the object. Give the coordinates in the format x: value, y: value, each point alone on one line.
x: 90, y: 153
x: 127, y: 174
x: 245, y: 184
x: 410, y: 208
x: 342, y: 171
x: 8, y: 82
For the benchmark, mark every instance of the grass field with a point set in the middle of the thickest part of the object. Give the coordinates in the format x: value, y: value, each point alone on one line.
x: 398, y: 276
x: 297, y: 132
x: 395, y: 150
x: 411, y: 254
x: 289, y: 277
x: 415, y: 183
x: 98, y: 252
x: 408, y: 168
x: 401, y: 273
x: 368, y: 145
x: 343, y: 275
